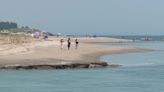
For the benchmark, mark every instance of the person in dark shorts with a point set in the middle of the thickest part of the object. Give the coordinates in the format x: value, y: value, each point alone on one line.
x: 69, y: 43
x: 76, y: 43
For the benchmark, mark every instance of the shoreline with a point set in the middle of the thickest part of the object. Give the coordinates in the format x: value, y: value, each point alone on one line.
x: 47, y: 55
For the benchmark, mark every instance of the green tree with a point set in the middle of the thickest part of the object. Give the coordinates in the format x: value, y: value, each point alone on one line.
x: 8, y: 25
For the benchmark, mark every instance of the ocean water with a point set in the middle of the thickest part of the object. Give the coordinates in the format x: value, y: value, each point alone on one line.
x: 138, y: 59
x: 142, y: 72
x: 141, y: 37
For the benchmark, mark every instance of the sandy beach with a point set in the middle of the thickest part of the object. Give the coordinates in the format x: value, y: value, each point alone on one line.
x: 49, y: 52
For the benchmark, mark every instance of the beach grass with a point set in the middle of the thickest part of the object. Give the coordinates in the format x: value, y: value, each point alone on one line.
x: 10, y: 38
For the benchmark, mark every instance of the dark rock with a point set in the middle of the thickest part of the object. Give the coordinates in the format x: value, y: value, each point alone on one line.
x: 59, y: 66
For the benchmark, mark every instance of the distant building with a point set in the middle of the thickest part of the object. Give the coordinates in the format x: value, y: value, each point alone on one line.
x: 4, y: 31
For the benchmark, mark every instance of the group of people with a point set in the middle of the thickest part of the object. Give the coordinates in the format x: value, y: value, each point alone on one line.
x: 40, y: 35
x: 69, y: 43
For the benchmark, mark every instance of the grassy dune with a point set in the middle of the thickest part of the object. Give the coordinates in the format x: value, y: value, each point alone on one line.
x: 9, y: 38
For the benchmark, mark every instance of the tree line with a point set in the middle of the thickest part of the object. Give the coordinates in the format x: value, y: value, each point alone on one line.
x: 8, y: 25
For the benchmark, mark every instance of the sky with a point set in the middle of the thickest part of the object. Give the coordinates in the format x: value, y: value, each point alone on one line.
x: 101, y: 17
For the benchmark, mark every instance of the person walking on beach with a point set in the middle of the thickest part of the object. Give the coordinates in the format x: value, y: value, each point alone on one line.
x: 76, y: 43
x: 61, y: 43
x: 69, y: 43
